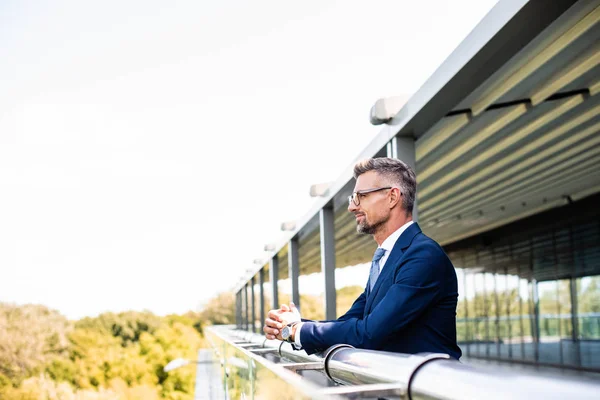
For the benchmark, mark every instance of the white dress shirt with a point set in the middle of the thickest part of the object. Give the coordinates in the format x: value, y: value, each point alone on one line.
x: 387, y: 245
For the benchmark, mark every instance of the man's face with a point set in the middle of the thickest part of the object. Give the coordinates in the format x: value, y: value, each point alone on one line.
x: 372, y: 211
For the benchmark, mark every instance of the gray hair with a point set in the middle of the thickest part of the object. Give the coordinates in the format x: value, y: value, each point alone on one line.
x: 396, y: 172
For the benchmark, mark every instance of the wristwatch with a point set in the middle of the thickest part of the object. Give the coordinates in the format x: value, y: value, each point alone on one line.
x: 286, y: 332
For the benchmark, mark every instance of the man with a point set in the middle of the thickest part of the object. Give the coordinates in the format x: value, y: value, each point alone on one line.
x: 409, y: 302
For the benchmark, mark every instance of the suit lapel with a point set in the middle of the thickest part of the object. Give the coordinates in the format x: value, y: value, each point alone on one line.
x: 393, y: 261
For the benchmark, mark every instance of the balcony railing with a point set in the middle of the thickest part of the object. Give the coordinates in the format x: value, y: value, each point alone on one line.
x: 254, y: 367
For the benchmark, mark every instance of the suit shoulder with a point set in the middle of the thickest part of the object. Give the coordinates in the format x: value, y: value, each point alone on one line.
x: 423, y: 243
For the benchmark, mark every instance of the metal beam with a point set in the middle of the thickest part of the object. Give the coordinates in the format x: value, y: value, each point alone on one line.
x: 294, y: 270
x: 326, y: 219
x: 575, y: 318
x: 261, y: 291
x: 238, y: 309
x: 274, y: 277
x: 246, y: 307
x: 536, y: 319
x: 253, y: 303
x: 403, y: 148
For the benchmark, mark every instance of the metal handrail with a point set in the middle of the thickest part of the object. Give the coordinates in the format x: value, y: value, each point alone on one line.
x: 424, y: 376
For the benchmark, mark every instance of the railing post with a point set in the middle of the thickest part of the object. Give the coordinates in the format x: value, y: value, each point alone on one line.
x: 294, y: 270
x: 328, y: 260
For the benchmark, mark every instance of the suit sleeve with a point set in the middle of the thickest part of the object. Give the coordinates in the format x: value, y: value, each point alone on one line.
x: 417, y: 285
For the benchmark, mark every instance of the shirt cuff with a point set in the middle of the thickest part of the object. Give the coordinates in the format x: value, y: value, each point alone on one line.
x: 298, y: 344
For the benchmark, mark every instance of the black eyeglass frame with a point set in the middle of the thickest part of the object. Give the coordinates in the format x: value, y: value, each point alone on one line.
x: 356, y: 195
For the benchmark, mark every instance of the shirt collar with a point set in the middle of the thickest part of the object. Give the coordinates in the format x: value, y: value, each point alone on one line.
x: 388, y: 244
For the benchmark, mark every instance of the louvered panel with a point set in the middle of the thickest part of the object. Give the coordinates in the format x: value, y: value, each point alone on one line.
x: 567, y: 65
x: 439, y: 134
x: 499, y: 155
x: 543, y: 157
x: 536, y: 56
x: 519, y: 185
x: 572, y: 75
x: 480, y: 130
x: 516, y: 207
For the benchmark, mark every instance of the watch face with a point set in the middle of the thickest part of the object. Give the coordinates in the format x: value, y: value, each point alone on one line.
x: 285, y: 333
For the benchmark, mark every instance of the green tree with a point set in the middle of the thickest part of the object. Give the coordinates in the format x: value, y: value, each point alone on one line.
x: 219, y: 310
x: 30, y: 337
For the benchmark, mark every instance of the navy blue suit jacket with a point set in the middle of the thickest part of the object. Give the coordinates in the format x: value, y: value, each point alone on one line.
x: 412, y: 308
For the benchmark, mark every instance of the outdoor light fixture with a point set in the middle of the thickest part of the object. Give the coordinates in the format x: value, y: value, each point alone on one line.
x: 320, y: 189
x: 176, y: 363
x: 288, y: 226
x: 270, y: 247
x: 181, y: 362
x: 385, y: 109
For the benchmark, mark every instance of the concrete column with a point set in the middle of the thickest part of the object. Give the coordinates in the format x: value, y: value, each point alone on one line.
x: 274, y: 276
x: 253, y: 306
x: 294, y: 270
x: 328, y: 260
x: 246, y: 307
x: 403, y: 148
x: 261, y: 291
x: 237, y: 310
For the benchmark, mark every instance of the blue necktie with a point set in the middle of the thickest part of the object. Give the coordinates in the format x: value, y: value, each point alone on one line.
x: 374, y: 274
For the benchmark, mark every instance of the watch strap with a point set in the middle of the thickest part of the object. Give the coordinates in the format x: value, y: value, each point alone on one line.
x: 290, y: 326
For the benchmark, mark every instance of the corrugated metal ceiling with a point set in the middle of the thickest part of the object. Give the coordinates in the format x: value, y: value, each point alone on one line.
x: 525, y: 141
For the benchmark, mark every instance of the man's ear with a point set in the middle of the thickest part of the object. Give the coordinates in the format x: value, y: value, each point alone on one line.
x: 395, y: 197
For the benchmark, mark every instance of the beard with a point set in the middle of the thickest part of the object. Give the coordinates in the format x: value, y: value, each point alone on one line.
x: 369, y: 229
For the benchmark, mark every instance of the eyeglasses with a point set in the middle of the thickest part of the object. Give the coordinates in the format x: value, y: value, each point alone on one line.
x: 355, y: 197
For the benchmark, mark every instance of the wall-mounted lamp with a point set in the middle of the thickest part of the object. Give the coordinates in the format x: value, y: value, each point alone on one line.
x: 270, y: 247
x: 385, y: 109
x: 320, y: 189
x: 288, y: 226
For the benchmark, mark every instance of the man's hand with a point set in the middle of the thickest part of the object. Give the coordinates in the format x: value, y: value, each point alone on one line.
x: 277, y: 319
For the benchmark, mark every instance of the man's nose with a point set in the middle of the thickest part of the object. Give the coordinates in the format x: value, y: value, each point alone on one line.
x: 352, y: 207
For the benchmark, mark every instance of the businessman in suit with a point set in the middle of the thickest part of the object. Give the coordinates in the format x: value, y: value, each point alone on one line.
x: 409, y: 302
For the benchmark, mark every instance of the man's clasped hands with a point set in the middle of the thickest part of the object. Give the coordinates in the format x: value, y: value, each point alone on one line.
x: 278, y: 319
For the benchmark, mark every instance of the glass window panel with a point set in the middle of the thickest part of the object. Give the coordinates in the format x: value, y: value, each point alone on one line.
x: 503, y: 322
x: 479, y: 321
x: 461, y: 309
x: 588, y: 310
x: 549, y: 318
x: 470, y: 327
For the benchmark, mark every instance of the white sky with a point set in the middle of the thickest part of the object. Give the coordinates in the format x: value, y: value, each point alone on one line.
x: 150, y: 149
